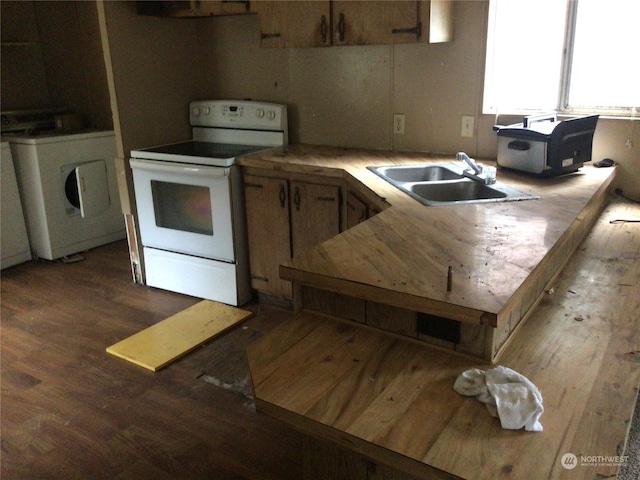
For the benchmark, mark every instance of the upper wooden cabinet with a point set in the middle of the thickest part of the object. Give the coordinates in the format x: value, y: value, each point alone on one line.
x: 376, y: 23
x: 438, y: 15
x: 310, y: 23
x: 192, y: 8
x: 285, y: 24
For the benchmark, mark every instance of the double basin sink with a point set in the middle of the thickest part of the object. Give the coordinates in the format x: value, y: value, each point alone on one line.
x: 445, y: 184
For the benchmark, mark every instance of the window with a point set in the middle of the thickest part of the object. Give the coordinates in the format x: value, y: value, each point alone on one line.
x: 571, y: 56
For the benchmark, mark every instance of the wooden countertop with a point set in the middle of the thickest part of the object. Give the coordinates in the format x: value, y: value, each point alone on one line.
x: 403, y: 254
x: 392, y: 400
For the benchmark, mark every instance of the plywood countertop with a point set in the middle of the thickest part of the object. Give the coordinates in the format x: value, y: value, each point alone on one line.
x: 403, y: 254
x: 391, y: 400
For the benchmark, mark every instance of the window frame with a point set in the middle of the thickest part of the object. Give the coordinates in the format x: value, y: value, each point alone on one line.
x: 562, y: 103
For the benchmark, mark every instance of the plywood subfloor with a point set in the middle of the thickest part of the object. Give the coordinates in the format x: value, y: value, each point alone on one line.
x: 168, y: 340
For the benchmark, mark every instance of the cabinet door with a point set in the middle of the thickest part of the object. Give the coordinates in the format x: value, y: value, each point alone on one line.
x: 267, y: 207
x: 375, y: 22
x: 357, y: 210
x: 296, y: 24
x: 436, y: 17
x: 315, y: 214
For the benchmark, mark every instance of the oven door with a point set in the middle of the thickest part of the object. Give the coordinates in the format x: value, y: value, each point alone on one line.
x: 185, y: 208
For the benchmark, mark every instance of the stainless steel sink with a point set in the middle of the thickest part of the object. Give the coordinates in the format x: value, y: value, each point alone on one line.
x: 455, y: 192
x: 417, y: 173
x: 444, y: 184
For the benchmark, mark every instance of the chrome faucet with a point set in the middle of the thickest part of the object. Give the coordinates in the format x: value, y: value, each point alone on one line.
x: 469, y: 161
x: 475, y: 171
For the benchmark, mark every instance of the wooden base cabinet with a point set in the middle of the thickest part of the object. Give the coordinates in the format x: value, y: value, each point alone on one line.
x: 359, y: 210
x: 285, y: 217
x: 269, y: 234
x: 316, y: 214
x: 326, y: 460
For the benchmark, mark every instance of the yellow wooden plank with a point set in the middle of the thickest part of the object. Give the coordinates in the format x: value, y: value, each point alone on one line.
x: 164, y: 342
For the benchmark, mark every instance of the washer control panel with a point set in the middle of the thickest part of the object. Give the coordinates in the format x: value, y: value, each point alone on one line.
x: 238, y: 114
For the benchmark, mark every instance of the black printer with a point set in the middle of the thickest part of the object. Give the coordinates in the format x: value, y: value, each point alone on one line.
x: 544, y: 146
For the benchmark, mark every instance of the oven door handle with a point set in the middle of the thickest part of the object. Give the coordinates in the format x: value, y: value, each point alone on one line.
x: 181, y: 168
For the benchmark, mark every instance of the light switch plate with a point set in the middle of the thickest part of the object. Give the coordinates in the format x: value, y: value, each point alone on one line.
x: 467, y: 125
x: 398, y: 123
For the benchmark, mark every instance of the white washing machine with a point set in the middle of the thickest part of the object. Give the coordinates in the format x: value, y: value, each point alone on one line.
x: 69, y: 191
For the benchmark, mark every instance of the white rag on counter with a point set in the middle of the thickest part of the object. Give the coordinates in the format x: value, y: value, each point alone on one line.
x: 507, y: 395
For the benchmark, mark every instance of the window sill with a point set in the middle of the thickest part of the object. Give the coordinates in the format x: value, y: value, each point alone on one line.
x: 517, y: 117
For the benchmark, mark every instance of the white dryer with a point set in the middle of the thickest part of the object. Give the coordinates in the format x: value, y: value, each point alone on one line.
x: 69, y: 191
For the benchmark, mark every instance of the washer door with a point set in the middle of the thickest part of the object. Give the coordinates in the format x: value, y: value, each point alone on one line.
x: 87, y: 188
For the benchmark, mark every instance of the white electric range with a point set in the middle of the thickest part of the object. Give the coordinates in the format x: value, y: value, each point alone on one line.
x: 190, y: 202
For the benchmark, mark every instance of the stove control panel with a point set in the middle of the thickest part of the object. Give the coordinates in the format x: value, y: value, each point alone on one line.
x: 238, y: 114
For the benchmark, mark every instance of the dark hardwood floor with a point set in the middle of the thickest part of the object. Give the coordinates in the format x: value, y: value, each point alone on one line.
x: 69, y: 410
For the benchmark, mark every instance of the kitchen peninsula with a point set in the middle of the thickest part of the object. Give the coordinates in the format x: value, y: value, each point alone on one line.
x: 380, y: 395
x: 497, y: 259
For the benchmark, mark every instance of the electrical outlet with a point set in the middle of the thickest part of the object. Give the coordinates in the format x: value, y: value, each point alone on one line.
x: 467, y: 125
x: 398, y: 123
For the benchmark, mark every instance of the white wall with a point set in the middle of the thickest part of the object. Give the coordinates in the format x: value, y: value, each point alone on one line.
x: 346, y: 96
